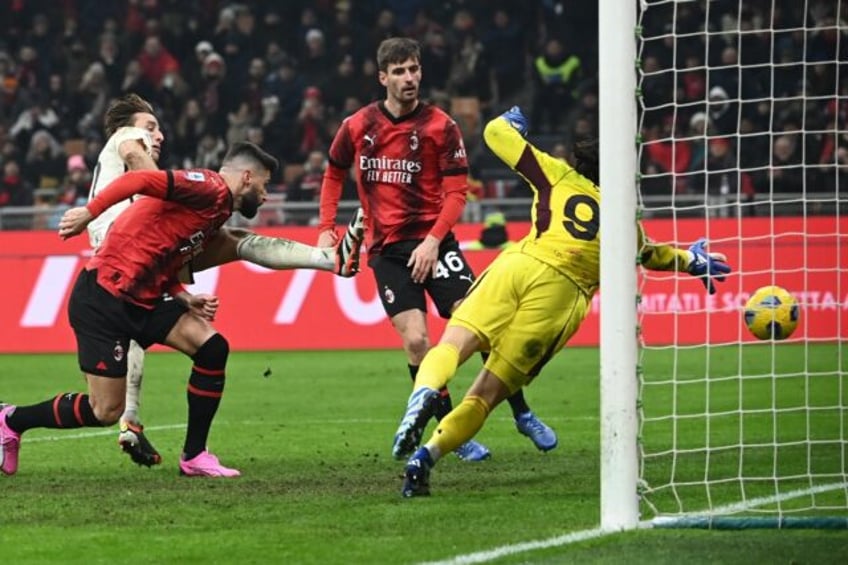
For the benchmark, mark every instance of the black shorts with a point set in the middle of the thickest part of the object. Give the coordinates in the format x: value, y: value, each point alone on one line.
x: 399, y: 293
x: 104, y: 325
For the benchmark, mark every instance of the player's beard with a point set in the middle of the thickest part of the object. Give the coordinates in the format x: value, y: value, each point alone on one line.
x: 249, y: 205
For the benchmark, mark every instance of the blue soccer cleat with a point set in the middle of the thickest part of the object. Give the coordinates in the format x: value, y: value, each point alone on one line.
x: 542, y: 435
x: 472, y: 451
x: 416, y: 475
x: 419, y: 410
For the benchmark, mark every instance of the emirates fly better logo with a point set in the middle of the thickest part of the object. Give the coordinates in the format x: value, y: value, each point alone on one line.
x: 386, y: 170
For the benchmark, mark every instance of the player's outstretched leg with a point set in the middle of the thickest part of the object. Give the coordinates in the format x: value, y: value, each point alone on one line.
x: 469, y: 451
x: 349, y: 246
x: 131, y: 436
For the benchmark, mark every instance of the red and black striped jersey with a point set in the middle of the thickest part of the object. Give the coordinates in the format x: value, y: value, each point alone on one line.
x: 411, y: 173
x: 150, y: 241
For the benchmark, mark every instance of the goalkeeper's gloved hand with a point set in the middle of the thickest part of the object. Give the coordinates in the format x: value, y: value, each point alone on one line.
x: 517, y: 120
x: 707, y: 266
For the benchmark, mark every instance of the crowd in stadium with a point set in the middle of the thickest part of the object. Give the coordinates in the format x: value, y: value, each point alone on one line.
x: 285, y: 74
x: 755, y: 104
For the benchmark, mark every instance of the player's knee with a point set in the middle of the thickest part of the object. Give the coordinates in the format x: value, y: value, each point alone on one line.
x: 213, y: 353
x: 416, y: 344
x: 107, y: 410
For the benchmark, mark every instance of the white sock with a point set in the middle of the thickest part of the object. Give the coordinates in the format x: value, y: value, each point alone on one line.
x: 135, y: 372
x: 278, y: 253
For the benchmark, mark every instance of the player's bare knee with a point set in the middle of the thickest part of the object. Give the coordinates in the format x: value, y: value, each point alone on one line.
x: 106, y: 411
x: 416, y: 345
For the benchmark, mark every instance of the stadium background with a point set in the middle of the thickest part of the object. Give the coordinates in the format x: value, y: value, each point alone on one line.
x: 311, y: 431
x: 285, y: 75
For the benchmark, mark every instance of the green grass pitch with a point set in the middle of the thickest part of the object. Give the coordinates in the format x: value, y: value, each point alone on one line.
x: 313, y: 441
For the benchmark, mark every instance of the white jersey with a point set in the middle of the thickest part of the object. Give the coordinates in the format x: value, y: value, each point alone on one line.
x: 109, y: 167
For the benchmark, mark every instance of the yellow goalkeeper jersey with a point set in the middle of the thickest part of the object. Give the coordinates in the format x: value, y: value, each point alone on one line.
x: 565, y: 215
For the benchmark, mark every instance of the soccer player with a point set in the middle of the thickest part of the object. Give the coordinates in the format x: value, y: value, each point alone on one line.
x: 134, y: 143
x: 130, y: 290
x: 529, y: 301
x: 411, y: 173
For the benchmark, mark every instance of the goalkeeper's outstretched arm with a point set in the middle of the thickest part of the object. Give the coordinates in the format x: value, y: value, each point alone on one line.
x: 696, y: 260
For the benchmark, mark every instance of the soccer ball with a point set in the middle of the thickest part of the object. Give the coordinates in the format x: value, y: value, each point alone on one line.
x: 771, y: 313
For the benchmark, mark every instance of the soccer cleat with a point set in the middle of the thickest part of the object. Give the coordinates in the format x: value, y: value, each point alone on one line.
x: 205, y: 465
x: 419, y: 410
x: 472, y: 451
x: 416, y: 475
x: 132, y: 440
x: 10, y: 443
x: 542, y: 435
x: 349, y: 247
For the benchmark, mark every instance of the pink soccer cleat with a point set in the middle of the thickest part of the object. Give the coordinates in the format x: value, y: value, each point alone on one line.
x: 10, y: 443
x: 205, y: 465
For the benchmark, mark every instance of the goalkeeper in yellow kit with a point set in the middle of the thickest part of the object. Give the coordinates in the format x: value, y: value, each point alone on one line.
x: 529, y: 301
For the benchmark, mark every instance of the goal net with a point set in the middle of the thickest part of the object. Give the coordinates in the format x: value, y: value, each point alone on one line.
x: 743, y: 120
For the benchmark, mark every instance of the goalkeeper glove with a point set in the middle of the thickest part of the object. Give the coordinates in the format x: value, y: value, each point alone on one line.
x: 707, y: 266
x: 517, y: 120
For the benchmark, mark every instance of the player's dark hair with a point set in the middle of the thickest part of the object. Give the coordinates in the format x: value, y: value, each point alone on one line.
x: 586, y: 157
x: 251, y: 152
x: 396, y: 50
x: 121, y: 111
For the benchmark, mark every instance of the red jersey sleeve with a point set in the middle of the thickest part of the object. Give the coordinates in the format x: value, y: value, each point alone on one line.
x: 195, y: 189
x: 342, y: 153
x: 149, y: 183
x: 453, y: 162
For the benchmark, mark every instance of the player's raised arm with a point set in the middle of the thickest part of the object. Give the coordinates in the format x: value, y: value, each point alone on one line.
x: 136, y: 149
x: 149, y: 183
x: 504, y: 135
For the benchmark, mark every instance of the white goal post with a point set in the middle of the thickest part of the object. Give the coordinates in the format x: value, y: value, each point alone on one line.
x: 727, y: 120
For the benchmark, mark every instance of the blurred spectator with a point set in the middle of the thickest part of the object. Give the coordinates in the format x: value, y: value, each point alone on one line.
x: 253, y: 86
x: 109, y: 56
x: 785, y: 173
x: 91, y: 152
x: 723, y: 112
x: 216, y: 95
x: 556, y: 74
x: 342, y: 85
x: 494, y: 234
x: 190, y: 127
x: 38, y: 116
x: 210, y: 152
x: 77, y: 182
x: 45, y: 164
x: 287, y: 86
x: 306, y: 187
x: 315, y: 63
x: 239, y: 121
x: 60, y: 102
x: 436, y: 63
x: 93, y: 93
x: 506, y: 46
x: 156, y: 62
x: 134, y: 81
x: 470, y: 68
x: 237, y: 44
x: 14, y: 191
x: 311, y: 133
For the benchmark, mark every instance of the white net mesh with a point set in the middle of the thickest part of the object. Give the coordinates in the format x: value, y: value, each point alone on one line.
x: 744, y: 140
